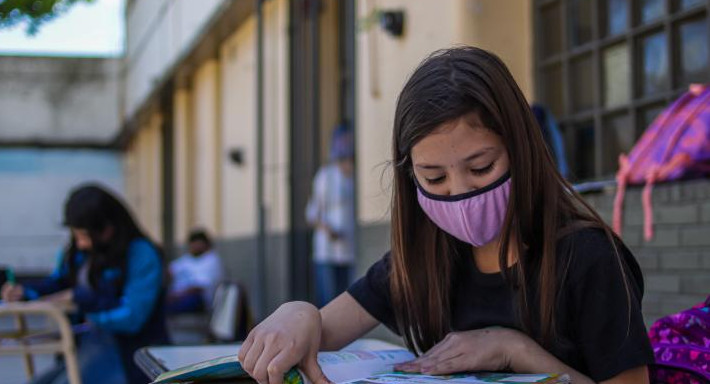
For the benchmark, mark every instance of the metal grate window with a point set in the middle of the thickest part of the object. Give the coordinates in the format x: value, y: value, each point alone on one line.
x: 607, y: 68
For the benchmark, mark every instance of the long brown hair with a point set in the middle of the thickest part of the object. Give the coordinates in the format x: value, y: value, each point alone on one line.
x: 447, y: 85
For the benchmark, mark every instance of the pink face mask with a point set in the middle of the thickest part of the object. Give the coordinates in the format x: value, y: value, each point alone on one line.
x: 474, y: 217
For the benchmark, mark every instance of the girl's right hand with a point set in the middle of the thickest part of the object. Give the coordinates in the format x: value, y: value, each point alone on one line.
x: 289, y: 337
x: 12, y: 292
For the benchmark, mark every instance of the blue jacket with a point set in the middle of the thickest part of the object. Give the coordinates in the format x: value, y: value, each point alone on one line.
x: 133, y: 313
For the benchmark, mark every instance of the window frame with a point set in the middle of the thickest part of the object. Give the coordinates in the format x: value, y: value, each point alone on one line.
x: 669, y: 24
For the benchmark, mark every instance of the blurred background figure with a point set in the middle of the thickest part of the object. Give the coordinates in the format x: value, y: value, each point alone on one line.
x: 113, y: 273
x: 331, y: 212
x: 194, y: 275
x: 553, y: 137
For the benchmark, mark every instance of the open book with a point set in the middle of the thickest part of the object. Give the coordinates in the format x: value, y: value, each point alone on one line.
x: 353, y: 367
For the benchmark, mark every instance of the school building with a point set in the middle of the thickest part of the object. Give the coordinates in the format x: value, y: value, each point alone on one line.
x: 227, y: 108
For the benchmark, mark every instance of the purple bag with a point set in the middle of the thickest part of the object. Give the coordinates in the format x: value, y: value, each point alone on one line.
x: 675, y: 146
x: 681, y: 344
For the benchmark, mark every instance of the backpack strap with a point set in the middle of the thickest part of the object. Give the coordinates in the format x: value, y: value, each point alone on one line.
x: 622, y: 177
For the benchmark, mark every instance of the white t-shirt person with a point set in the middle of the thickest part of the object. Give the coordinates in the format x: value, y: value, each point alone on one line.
x: 194, y: 276
x: 203, y: 271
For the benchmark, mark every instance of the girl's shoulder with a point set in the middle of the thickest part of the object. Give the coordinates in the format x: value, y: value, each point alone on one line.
x: 143, y: 250
x: 591, y: 248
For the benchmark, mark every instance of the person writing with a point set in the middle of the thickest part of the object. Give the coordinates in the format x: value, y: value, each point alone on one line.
x: 113, y: 273
x: 496, y: 263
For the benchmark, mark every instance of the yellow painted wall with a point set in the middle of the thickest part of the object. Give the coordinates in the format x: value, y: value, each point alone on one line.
x: 239, y: 131
x: 204, y: 139
x: 238, y: 62
x: 504, y: 27
x: 183, y: 167
x: 384, y: 63
x: 276, y: 123
x: 143, y: 175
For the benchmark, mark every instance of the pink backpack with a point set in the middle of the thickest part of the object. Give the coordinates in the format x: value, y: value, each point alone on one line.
x: 681, y: 344
x: 675, y: 146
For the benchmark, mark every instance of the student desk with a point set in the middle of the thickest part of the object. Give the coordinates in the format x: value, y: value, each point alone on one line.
x: 156, y: 360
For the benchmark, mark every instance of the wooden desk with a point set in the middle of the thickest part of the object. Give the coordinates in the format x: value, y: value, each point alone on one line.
x: 26, y: 342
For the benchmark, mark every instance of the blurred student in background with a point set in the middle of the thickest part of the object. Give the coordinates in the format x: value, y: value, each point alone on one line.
x: 113, y: 273
x: 194, y: 276
x: 331, y: 211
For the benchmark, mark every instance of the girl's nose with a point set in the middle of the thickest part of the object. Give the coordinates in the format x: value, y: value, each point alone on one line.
x: 460, y: 185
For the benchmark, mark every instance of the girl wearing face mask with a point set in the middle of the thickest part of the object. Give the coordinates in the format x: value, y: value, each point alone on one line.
x: 113, y: 273
x: 496, y: 263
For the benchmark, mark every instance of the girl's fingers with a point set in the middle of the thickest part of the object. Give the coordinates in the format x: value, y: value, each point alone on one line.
x: 252, y: 357
x: 278, y: 367
x: 261, y: 373
x: 444, y: 345
x: 313, y: 371
x: 246, y: 345
x: 452, y: 364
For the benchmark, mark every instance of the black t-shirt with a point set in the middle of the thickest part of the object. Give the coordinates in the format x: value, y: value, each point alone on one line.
x: 597, y: 333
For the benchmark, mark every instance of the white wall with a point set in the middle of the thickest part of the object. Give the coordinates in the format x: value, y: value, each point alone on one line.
x: 35, y: 184
x: 58, y: 99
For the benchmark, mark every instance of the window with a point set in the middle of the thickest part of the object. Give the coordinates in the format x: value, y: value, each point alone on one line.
x: 608, y: 68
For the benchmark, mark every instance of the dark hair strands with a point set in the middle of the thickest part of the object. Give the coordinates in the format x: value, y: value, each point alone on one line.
x: 92, y: 208
x: 447, y: 85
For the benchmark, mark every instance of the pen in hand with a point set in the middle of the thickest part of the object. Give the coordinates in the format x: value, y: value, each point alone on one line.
x: 10, y: 276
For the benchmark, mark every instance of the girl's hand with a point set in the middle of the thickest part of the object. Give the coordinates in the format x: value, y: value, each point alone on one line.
x: 488, y: 349
x: 12, y: 292
x: 62, y: 297
x: 289, y: 337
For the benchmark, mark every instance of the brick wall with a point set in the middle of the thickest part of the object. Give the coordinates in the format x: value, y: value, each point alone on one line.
x: 676, y: 263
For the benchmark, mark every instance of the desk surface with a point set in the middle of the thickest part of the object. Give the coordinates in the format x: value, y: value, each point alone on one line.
x: 156, y: 360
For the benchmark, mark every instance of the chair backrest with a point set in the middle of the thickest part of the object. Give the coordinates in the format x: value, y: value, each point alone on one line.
x: 231, y: 318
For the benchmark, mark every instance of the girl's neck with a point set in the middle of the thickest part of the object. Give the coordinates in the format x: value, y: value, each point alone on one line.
x: 486, y: 256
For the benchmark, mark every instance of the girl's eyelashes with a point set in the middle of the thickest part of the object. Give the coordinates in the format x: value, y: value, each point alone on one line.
x: 475, y: 171
x: 484, y: 170
x: 437, y: 180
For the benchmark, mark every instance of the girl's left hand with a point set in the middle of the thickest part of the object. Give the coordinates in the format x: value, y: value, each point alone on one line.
x: 487, y: 349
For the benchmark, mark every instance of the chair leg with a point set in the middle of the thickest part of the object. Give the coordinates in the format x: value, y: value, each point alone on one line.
x: 27, y: 357
x: 72, y: 365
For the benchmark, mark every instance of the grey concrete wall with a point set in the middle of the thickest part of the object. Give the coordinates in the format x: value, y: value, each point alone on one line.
x: 239, y: 256
x: 676, y: 263
x: 59, y: 99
